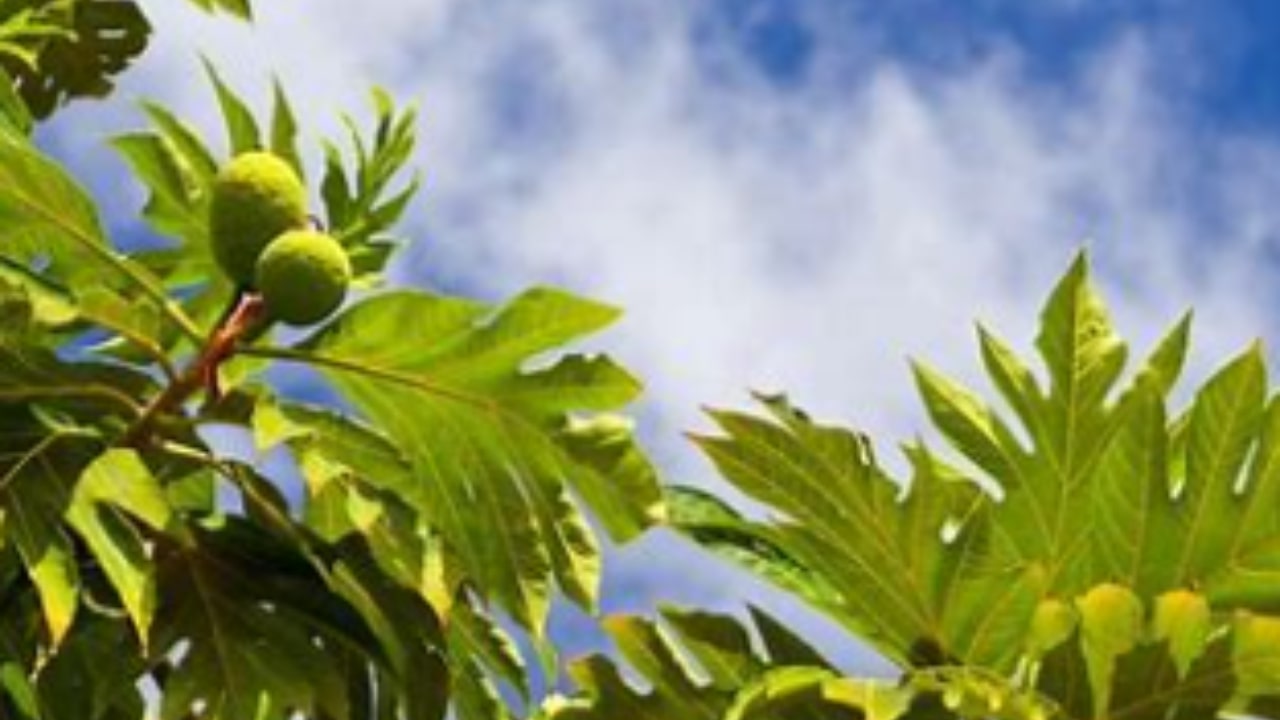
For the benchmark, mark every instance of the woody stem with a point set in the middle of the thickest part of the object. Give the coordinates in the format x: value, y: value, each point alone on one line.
x: 246, y: 312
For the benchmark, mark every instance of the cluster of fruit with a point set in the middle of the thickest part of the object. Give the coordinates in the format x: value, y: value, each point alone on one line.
x: 263, y: 240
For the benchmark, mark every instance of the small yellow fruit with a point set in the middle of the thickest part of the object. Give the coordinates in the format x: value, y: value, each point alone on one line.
x: 1051, y: 625
x: 1255, y: 653
x: 303, y: 277
x: 1184, y: 620
x: 255, y: 198
x: 1111, y: 618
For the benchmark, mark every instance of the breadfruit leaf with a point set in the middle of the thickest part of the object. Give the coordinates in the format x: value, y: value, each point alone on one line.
x: 94, y: 674
x: 362, y: 201
x: 247, y: 647
x: 51, y: 416
x: 243, y: 134
x: 693, y: 667
x: 113, y: 492
x: 53, y: 225
x: 482, y: 431
x: 704, y: 666
x: 284, y: 129
x: 69, y: 49
x: 1085, y: 482
x: 919, y: 599
x: 33, y: 496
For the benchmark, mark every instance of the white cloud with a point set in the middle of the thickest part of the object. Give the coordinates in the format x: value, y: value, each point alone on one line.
x: 805, y: 238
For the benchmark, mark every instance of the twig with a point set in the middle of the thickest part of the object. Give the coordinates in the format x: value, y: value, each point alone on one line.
x: 247, y: 310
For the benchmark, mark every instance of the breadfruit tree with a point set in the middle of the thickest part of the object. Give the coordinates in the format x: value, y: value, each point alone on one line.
x: 134, y: 554
x: 1091, y: 555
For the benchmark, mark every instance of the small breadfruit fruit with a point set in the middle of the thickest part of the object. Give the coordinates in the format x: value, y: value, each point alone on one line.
x: 1051, y: 625
x: 1255, y: 651
x: 1184, y: 620
x: 303, y: 277
x: 255, y: 199
x: 1111, y: 618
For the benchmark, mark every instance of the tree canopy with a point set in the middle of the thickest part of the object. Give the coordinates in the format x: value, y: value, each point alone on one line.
x: 1083, y: 550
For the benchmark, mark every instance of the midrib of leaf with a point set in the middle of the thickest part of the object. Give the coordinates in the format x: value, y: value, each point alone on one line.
x: 27, y: 457
x: 983, y: 632
x: 88, y: 390
x: 224, y: 658
x: 375, y: 372
x: 1203, y: 500
x: 1066, y: 465
x: 955, y: 580
x: 887, y: 546
x: 555, y: 514
x: 492, y: 498
x: 1140, y: 537
x: 1268, y: 546
x: 1024, y: 481
x: 457, y: 514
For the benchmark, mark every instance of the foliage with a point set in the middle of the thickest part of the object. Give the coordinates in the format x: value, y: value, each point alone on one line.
x: 1084, y: 553
x: 57, y: 50
x: 1088, y: 536
x: 446, y: 495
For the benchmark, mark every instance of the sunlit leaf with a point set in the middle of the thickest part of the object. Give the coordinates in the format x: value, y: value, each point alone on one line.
x: 482, y: 435
x: 1001, y: 560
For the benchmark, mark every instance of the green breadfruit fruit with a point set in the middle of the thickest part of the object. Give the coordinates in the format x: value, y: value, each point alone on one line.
x: 1052, y: 624
x: 303, y: 277
x: 1111, y: 618
x: 1184, y: 620
x: 1255, y: 653
x: 256, y: 197
x: 1112, y: 623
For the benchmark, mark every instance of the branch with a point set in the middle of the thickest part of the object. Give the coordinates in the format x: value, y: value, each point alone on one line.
x: 245, y: 312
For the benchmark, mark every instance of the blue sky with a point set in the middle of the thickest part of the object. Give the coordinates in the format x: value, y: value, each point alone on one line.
x: 790, y: 195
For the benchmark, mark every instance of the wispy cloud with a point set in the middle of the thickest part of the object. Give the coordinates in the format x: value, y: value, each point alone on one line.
x: 803, y: 235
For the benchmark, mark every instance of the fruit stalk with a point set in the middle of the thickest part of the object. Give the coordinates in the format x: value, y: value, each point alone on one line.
x: 247, y: 313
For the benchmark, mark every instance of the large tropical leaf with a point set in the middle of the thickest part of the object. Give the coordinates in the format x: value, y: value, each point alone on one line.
x: 487, y: 450
x: 1084, y: 483
x: 51, y: 415
x: 247, y: 654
